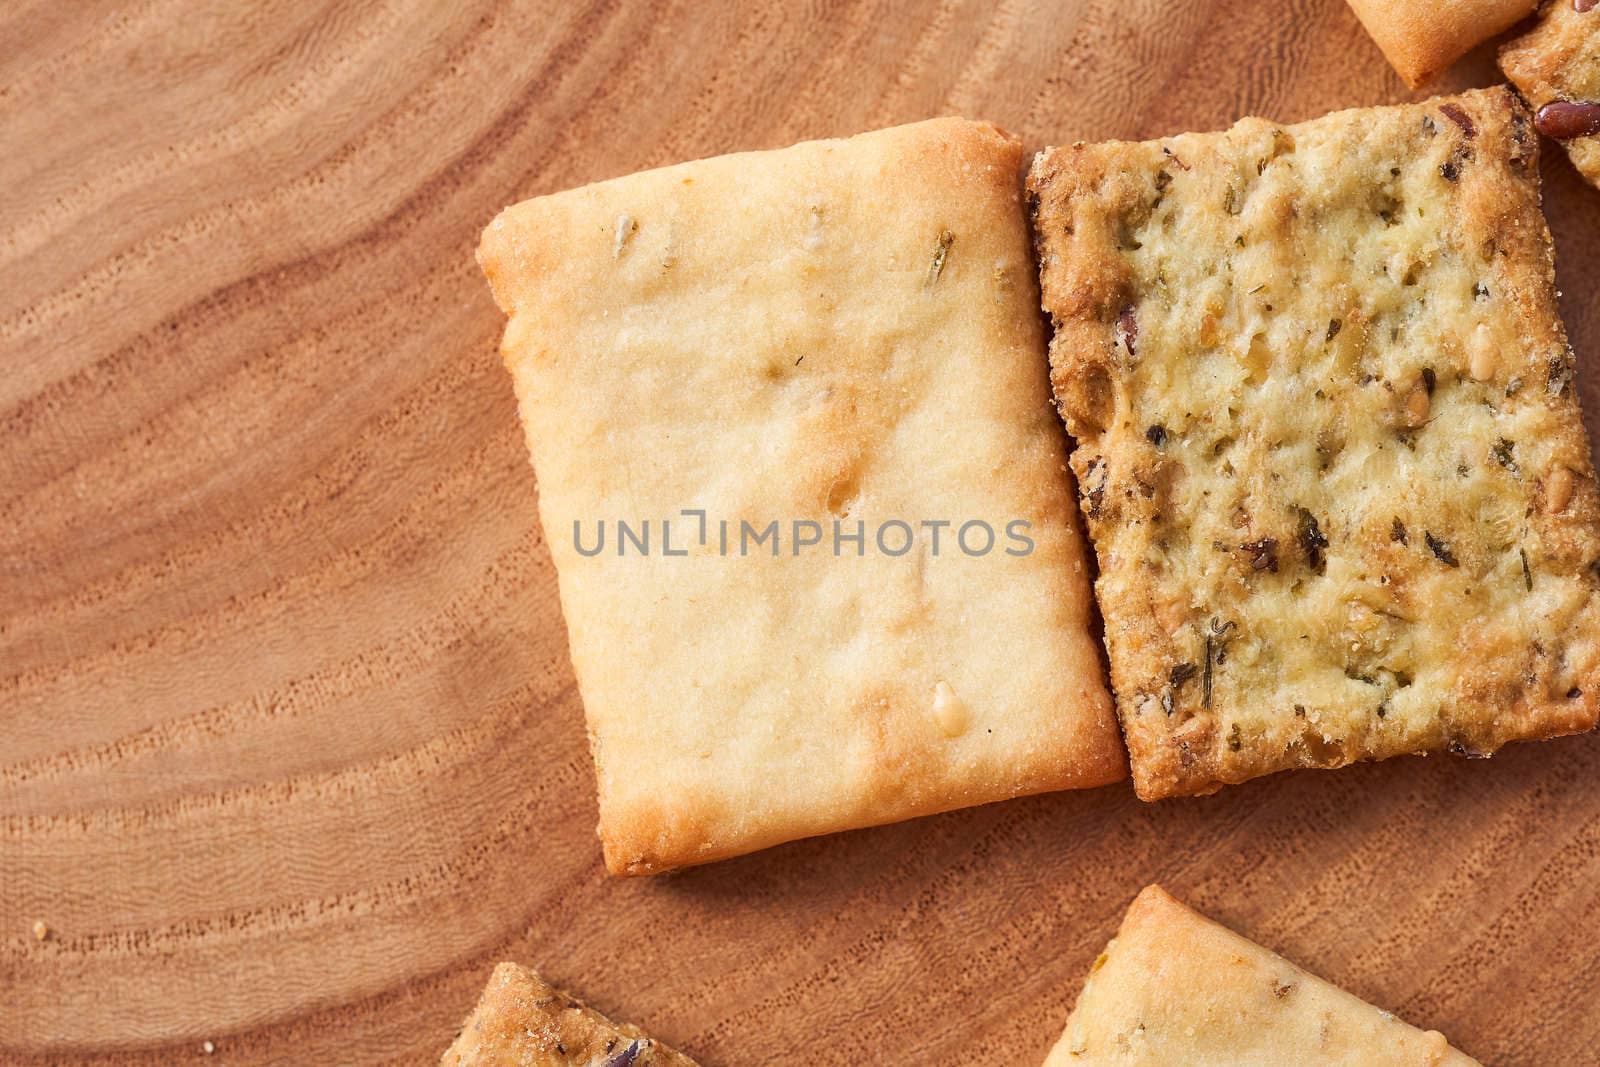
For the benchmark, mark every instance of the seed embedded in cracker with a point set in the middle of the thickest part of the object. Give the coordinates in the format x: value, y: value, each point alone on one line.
x: 1422, y: 470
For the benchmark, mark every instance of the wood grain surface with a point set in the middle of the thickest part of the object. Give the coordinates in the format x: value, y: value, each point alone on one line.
x: 290, y: 750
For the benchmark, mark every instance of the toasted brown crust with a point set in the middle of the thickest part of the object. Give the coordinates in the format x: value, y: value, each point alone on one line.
x: 1420, y: 38
x: 840, y: 332
x: 522, y: 1021
x: 1173, y: 987
x: 1326, y: 440
x: 1559, y: 59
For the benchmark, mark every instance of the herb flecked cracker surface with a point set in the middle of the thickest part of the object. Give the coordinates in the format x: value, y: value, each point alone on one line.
x: 1326, y: 439
x: 522, y: 1021
x: 839, y: 332
x: 1174, y: 987
x: 1557, y: 67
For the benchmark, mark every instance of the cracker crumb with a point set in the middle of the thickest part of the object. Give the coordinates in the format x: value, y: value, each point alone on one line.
x: 207, y: 1047
x: 41, y: 930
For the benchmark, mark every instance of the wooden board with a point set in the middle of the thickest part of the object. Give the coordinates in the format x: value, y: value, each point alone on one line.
x: 290, y: 752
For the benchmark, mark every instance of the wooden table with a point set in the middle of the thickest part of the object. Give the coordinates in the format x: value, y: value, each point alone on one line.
x: 290, y: 751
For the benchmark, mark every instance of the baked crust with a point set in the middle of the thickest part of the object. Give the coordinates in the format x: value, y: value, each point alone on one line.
x: 522, y: 1021
x: 1173, y: 987
x: 1559, y: 59
x: 842, y: 330
x: 1327, y: 444
x: 1420, y: 38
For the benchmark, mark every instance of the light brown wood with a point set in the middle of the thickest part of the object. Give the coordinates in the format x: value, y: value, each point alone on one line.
x: 290, y: 752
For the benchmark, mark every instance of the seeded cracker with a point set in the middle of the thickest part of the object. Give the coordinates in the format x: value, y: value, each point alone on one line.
x: 523, y: 1022
x: 1557, y: 67
x: 842, y: 331
x: 1174, y: 987
x: 1327, y: 440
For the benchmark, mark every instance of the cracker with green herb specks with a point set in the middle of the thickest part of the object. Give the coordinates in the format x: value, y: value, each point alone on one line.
x: 1326, y: 439
x: 1173, y: 987
x: 816, y: 344
x: 522, y: 1021
x: 1557, y: 67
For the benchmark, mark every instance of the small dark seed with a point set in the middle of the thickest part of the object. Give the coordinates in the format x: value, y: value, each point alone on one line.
x: 1429, y: 379
x: 1181, y: 673
x: 1503, y: 456
x: 1156, y: 435
x: 1574, y: 693
x: 1128, y: 326
x: 1441, y: 550
x: 1523, y: 147
x: 1449, y: 171
x: 1263, y: 554
x: 1312, y: 540
x: 1460, y: 118
x: 1397, y: 532
x: 1527, y: 575
x: 1562, y: 120
x: 625, y: 1057
x: 1094, y: 488
x: 1558, y: 374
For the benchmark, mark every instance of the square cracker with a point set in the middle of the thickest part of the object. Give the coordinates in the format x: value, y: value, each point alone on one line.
x: 1558, y: 63
x: 522, y: 1021
x: 1420, y: 38
x: 1173, y: 987
x: 842, y: 331
x: 1327, y: 440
